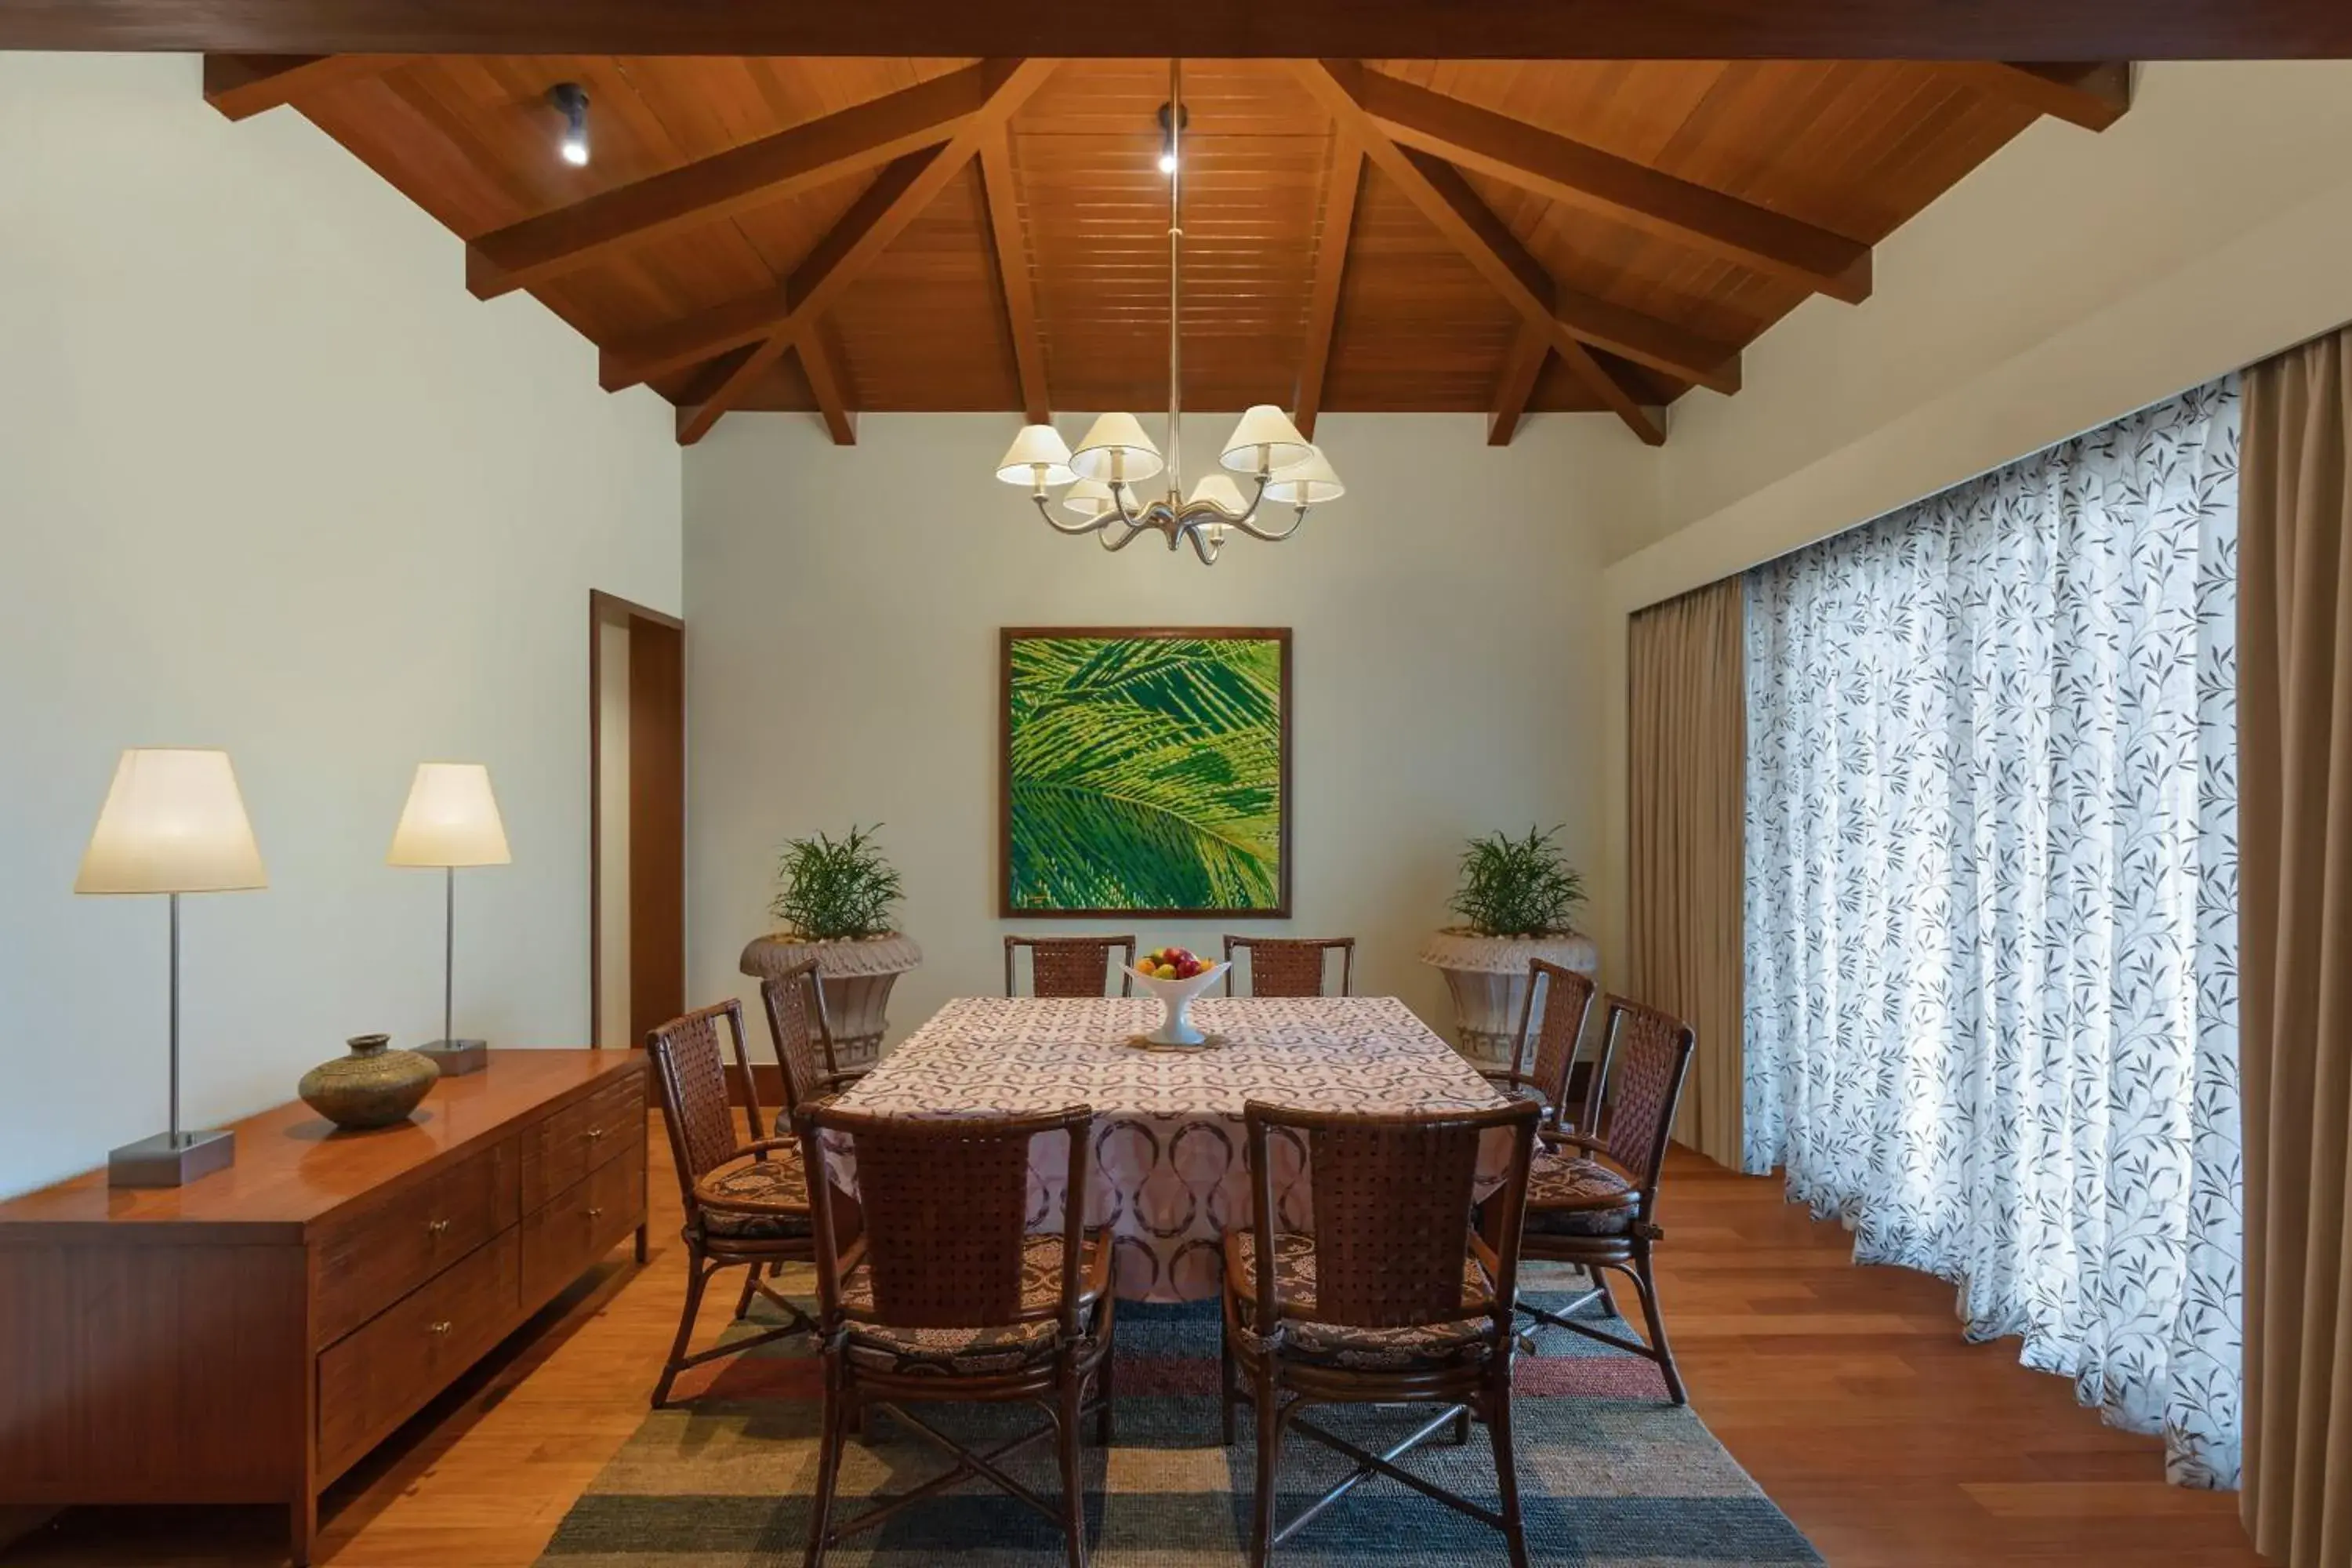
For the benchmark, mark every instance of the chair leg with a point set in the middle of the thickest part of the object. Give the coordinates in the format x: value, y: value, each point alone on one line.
x: 1599, y: 1278
x: 828, y: 1463
x: 1103, y: 1392
x: 696, y: 1278
x: 1507, y: 1473
x: 1074, y: 1480
x: 1461, y: 1432
x: 1269, y: 1455
x: 751, y: 1293
x: 1646, y: 1285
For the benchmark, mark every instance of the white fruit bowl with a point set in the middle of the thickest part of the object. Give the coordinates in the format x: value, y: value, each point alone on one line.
x: 1176, y: 998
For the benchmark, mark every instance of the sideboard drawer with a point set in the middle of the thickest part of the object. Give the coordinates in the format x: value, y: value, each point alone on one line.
x: 559, y: 1150
x: 376, y: 1378
x: 381, y: 1254
x: 581, y: 1225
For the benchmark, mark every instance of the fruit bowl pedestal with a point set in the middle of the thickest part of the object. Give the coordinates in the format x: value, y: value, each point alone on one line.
x: 1176, y: 1000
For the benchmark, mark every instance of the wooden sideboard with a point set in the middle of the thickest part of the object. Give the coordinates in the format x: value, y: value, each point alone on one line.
x: 248, y: 1337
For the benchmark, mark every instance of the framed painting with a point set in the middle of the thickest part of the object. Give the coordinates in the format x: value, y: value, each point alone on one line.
x: 1146, y: 772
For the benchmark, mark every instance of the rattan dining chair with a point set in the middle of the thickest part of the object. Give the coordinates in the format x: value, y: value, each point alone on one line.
x: 1592, y: 1194
x: 1543, y: 1068
x: 802, y: 1032
x: 745, y: 1200
x: 1291, y: 966
x: 1395, y: 1297
x: 942, y: 1296
x: 1071, y: 966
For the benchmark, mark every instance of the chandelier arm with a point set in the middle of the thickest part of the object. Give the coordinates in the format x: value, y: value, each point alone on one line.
x: 1269, y: 535
x: 1201, y: 547
x: 1135, y: 531
x: 1093, y: 525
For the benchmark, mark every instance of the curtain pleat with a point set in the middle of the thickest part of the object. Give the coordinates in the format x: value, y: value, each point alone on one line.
x: 1689, y: 739
x: 2294, y: 697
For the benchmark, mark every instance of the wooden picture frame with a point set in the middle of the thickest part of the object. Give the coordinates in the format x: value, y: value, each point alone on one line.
x: 1019, y: 893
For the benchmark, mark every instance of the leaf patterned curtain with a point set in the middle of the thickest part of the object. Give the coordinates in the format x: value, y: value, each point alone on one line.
x: 1991, y: 896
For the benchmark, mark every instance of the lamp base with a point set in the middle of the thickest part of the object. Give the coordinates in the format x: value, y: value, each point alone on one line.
x: 456, y: 1059
x: 164, y: 1161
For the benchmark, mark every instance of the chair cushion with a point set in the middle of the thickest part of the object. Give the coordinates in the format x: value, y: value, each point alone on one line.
x: 1419, y: 1347
x: 735, y: 1201
x: 1573, y: 1196
x: 975, y: 1352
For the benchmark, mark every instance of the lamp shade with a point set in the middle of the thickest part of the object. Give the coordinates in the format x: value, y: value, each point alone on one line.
x: 173, y: 822
x: 1037, y: 456
x: 1116, y: 448
x: 1265, y: 442
x: 1089, y: 499
x: 451, y: 819
x: 1220, y: 488
x: 1308, y: 483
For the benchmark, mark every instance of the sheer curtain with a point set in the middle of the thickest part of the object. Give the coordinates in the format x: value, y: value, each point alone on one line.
x: 1991, y: 994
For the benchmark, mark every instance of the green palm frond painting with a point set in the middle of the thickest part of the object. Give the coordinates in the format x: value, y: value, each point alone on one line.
x: 1145, y: 772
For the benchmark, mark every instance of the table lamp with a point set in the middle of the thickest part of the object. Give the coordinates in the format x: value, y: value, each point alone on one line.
x: 451, y: 820
x: 173, y: 822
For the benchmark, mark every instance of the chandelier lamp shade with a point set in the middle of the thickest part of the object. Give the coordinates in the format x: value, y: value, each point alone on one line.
x: 1104, y: 474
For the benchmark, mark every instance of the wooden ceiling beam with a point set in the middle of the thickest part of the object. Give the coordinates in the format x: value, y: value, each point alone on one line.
x: 1012, y: 248
x: 777, y: 318
x: 1568, y: 171
x: 1330, y: 270
x: 1461, y: 29
x: 1517, y: 382
x: 1572, y: 318
x: 772, y: 169
x: 2093, y: 96
x: 242, y: 86
x: 828, y: 378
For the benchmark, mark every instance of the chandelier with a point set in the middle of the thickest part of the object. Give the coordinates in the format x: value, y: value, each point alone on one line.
x: 1117, y: 456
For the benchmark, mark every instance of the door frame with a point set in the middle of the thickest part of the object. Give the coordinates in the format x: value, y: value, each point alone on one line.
x: 657, y: 807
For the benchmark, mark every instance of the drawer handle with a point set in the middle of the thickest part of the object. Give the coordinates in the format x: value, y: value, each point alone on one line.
x: 442, y: 1326
x: 595, y: 1133
x: 436, y: 1228
x: 595, y: 1214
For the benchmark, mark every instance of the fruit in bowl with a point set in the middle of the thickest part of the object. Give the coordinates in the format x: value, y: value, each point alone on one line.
x: 1172, y: 964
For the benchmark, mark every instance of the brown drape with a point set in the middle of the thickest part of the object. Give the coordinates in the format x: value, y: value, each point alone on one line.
x: 2295, y: 793
x: 1688, y: 733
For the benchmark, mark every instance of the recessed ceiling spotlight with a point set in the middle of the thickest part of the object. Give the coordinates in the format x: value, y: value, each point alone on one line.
x: 1169, y: 129
x: 571, y: 101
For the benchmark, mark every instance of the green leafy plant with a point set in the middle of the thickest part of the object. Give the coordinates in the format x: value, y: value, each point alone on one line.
x: 1145, y: 773
x: 834, y: 889
x: 1517, y: 886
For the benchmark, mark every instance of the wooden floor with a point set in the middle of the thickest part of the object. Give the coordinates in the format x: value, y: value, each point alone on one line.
x: 1847, y: 1392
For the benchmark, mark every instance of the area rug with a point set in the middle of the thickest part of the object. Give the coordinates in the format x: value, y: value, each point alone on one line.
x: 1610, y: 1475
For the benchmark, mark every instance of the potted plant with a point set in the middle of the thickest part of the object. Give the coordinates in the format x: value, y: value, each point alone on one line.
x: 835, y: 898
x: 1515, y: 900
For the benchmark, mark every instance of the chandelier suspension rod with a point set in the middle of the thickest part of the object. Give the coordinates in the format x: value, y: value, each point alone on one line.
x: 1175, y: 279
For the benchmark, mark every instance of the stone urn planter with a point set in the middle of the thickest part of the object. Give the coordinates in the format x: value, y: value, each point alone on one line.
x: 1489, y: 977
x: 855, y: 973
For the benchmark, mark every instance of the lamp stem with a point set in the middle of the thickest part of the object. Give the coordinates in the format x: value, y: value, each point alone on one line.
x: 174, y: 1135
x: 449, y: 954
x: 1176, y: 284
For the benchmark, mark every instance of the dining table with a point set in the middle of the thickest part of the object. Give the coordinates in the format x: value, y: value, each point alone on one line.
x: 1169, y: 1171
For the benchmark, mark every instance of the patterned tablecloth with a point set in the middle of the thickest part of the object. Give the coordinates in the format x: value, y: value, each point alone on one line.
x: 1169, y: 1175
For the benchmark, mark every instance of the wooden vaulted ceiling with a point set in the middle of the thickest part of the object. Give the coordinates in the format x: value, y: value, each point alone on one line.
x: 838, y: 235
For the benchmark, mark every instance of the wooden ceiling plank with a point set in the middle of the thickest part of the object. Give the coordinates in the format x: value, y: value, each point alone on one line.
x: 1330, y: 270
x: 1464, y: 29
x: 780, y: 316
x: 1019, y: 287
x: 1573, y: 318
x: 1517, y: 382
x: 242, y: 86
x: 1568, y: 171
x: 772, y: 169
x: 2093, y: 96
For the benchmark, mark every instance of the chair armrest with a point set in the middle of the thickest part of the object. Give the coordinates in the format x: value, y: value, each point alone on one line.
x: 1590, y: 1145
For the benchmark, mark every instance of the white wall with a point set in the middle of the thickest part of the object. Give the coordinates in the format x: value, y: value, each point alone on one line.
x: 843, y: 606
x: 270, y: 480
x: 2070, y: 279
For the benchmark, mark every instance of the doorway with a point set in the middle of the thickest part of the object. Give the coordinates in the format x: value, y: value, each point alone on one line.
x: 636, y: 820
